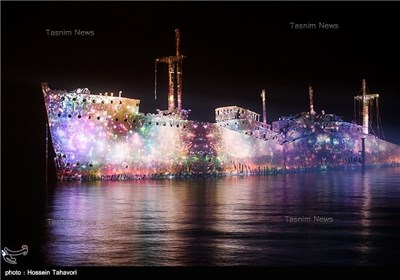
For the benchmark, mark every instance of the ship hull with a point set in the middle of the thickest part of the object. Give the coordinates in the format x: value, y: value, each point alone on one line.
x: 97, y: 137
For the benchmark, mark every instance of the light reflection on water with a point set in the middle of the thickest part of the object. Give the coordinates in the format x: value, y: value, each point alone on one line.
x: 230, y: 221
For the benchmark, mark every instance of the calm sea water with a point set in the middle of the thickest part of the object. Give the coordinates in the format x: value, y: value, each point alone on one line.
x: 333, y: 218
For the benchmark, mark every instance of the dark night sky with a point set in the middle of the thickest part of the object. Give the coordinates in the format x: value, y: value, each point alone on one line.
x: 233, y: 51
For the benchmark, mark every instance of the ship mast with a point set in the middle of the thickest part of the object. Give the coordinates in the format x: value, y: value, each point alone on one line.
x: 174, y: 70
x: 178, y: 69
x: 311, y: 94
x: 263, y: 95
x: 365, y: 100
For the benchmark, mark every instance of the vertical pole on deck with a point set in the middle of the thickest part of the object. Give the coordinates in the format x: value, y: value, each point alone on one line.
x: 47, y: 155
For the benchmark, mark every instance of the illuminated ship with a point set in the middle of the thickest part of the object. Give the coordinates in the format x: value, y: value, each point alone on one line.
x: 105, y: 137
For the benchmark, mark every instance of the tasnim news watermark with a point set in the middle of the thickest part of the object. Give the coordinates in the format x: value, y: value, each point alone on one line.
x: 70, y: 222
x: 314, y: 26
x: 70, y: 33
x: 309, y: 219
